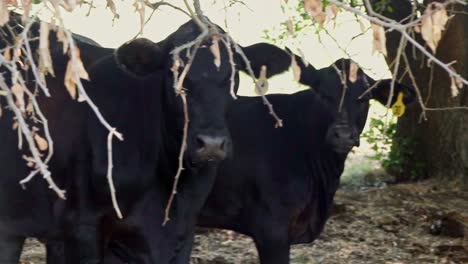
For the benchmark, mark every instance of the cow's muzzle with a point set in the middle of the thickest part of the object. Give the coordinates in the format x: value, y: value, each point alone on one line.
x: 342, y: 137
x: 211, y: 148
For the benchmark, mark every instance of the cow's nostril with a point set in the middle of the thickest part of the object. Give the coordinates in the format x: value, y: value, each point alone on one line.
x: 223, y: 144
x: 211, y: 147
x: 200, y: 142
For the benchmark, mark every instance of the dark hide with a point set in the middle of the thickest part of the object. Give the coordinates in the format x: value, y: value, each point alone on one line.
x: 279, y: 185
x: 133, y: 87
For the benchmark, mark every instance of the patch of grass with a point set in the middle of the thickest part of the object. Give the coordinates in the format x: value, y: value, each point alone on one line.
x: 355, y: 172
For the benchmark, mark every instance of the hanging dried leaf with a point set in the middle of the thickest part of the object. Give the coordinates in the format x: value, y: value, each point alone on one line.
x: 353, y: 70
x: 41, y: 142
x: 140, y: 7
x: 30, y: 107
x: 214, y: 48
x: 433, y: 23
x: 295, y: 68
x: 63, y: 38
x: 113, y: 9
x: 290, y: 26
x: 314, y: 9
x: 261, y: 86
x: 332, y: 11
x: 17, y: 51
x: 361, y: 26
x: 4, y: 13
x: 45, y: 61
x: 456, y: 84
x: 379, y: 44
x: 18, y: 91
x: 304, y: 61
x: 7, y: 54
x: 70, y: 81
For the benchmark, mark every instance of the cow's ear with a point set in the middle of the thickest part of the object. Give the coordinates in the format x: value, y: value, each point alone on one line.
x: 382, y: 91
x: 275, y: 59
x: 309, y: 75
x: 140, y: 57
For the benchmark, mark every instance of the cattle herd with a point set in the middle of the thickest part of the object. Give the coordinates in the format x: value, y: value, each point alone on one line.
x: 275, y: 185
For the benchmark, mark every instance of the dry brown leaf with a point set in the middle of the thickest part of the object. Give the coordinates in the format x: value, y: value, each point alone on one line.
x: 140, y: 7
x: 70, y: 81
x: 41, y: 142
x: 332, y: 11
x: 63, y: 38
x: 261, y: 86
x: 45, y: 61
x: 361, y: 26
x: 290, y: 26
x: 433, y: 23
x: 17, y: 51
x: 353, y: 70
x: 82, y: 73
x: 456, y: 84
x: 453, y: 87
x: 214, y: 48
x: 18, y: 91
x: 295, y: 68
x: 113, y: 9
x: 4, y: 13
x: 30, y: 107
x: 315, y: 9
x: 7, y: 54
x: 379, y: 43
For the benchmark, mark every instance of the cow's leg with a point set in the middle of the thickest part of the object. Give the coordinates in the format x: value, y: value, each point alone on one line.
x: 272, y: 251
x: 271, y: 240
x: 10, y: 249
x: 84, y: 247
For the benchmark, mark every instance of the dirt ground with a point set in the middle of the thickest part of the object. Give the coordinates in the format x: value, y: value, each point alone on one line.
x: 423, y: 222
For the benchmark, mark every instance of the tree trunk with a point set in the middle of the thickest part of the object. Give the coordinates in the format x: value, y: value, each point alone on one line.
x: 439, y: 146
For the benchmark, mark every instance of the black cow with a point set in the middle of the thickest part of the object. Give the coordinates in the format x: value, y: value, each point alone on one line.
x: 279, y: 185
x: 133, y: 88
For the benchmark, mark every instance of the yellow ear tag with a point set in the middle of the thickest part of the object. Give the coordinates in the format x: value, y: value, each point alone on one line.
x: 398, y: 108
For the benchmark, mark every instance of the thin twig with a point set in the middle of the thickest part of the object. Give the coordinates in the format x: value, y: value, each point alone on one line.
x: 416, y: 87
x: 180, y: 168
x: 227, y: 43
x: 29, y: 138
x: 155, y: 6
x: 394, y: 25
x: 238, y: 49
x: 110, y: 180
x: 401, y: 47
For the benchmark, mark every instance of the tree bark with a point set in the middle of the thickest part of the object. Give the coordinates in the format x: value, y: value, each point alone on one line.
x: 440, y: 146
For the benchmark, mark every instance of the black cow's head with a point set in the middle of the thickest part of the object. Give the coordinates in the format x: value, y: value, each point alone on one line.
x: 348, y: 121
x: 206, y: 84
